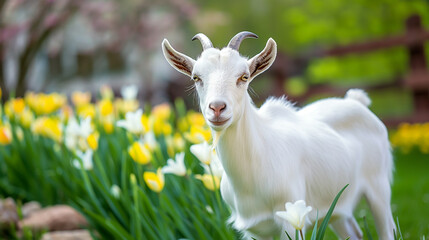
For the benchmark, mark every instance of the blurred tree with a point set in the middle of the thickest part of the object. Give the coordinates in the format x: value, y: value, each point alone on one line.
x: 26, y: 32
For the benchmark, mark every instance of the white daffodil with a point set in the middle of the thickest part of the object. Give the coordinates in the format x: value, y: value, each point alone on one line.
x: 176, y: 167
x: 204, y: 152
x: 132, y: 122
x: 295, y: 213
x: 150, y: 140
x: 86, y: 159
x: 115, y: 190
x: 77, y: 132
x: 129, y: 92
x: 215, y: 166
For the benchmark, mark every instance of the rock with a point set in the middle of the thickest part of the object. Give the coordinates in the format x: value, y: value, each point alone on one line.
x: 55, y: 218
x: 8, y: 213
x: 68, y: 235
x: 29, y: 208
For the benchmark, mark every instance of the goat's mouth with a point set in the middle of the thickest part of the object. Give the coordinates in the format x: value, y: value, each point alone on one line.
x: 218, y: 122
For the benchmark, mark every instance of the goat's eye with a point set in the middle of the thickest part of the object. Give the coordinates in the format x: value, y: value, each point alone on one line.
x: 243, y: 78
x: 196, y: 78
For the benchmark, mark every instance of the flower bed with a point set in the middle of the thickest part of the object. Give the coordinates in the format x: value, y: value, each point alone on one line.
x: 130, y: 172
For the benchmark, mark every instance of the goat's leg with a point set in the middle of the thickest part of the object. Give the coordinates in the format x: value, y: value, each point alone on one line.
x: 378, y: 197
x: 347, y: 227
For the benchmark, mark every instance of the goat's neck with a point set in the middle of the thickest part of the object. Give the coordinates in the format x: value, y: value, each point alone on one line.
x: 238, y: 147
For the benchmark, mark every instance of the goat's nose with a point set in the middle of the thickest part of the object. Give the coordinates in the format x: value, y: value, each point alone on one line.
x: 217, y: 107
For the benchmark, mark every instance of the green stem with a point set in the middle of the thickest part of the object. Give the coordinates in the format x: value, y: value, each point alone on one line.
x: 214, y: 187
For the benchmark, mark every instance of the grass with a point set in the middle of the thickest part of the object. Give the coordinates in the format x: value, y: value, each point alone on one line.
x: 410, y: 199
x: 410, y: 196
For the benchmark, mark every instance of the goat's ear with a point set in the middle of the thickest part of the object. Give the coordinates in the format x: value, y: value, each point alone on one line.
x: 261, y: 62
x: 177, y: 60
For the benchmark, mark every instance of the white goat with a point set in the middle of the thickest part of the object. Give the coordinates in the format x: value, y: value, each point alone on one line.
x: 279, y: 153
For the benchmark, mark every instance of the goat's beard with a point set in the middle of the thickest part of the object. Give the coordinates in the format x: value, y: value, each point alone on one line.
x: 216, y: 137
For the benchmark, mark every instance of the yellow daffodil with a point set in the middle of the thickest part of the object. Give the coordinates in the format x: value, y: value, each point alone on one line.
x: 145, y: 123
x: 295, y: 213
x: 14, y: 107
x: 191, y: 119
x: 140, y: 153
x: 80, y: 98
x: 211, y: 182
x: 170, y: 146
x: 124, y: 106
x: 108, y: 126
x: 156, y: 125
x: 108, y: 123
x: 86, y: 110
x: 45, y: 103
x: 179, y: 142
x: 155, y: 181
x: 198, y: 134
x: 5, y: 135
x: 182, y: 124
x: 410, y: 136
x: 160, y: 126
x: 162, y: 111
x: 47, y: 127
x: 92, y: 140
x: 105, y: 107
x: 167, y: 129
x: 196, y: 119
x: 26, y: 118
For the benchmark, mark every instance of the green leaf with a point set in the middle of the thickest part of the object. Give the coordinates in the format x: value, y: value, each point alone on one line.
x: 325, y: 221
x: 112, y: 226
x: 314, y: 233
x: 288, y: 236
x: 368, y: 233
x: 398, y: 229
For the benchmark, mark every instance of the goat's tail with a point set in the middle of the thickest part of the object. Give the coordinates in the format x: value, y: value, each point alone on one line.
x: 358, y: 95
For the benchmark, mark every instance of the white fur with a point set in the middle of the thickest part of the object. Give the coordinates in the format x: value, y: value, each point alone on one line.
x: 279, y: 153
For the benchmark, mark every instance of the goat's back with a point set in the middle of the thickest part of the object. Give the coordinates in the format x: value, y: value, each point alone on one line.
x: 363, y: 132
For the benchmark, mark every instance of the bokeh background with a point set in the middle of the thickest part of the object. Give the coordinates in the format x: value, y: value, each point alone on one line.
x: 66, y: 45
x: 325, y: 48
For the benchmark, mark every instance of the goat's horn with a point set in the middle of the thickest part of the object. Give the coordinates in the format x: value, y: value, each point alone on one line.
x: 236, y: 40
x: 205, y: 41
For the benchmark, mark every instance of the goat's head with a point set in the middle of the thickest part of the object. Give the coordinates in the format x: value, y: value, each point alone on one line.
x: 221, y: 76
